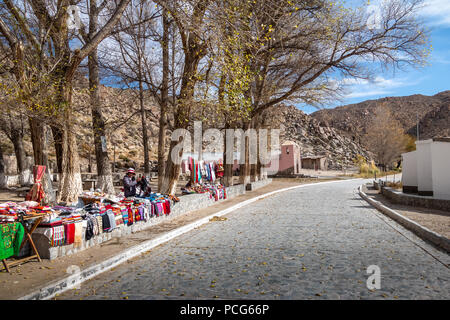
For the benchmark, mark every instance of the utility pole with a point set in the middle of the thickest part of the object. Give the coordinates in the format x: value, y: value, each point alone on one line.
x: 417, y: 129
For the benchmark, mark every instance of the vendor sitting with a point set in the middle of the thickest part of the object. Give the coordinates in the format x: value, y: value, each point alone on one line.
x: 144, y: 187
x: 129, y: 183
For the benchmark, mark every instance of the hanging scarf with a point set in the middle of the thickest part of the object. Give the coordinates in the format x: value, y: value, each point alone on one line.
x: 37, y: 191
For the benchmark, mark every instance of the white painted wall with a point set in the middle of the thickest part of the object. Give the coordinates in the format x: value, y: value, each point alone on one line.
x: 441, y: 169
x: 409, y: 169
x: 424, y: 165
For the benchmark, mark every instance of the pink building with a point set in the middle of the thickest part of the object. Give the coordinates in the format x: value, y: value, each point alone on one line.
x: 288, y: 160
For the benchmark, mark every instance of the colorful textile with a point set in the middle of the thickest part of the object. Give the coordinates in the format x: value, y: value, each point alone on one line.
x: 219, y: 169
x: 57, y: 236
x: 130, y: 216
x: 37, y: 191
x: 69, y: 231
x: 124, y: 212
x: 11, y: 236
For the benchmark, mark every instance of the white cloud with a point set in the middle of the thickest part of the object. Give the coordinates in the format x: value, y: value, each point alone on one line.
x: 437, y: 12
x: 359, y: 88
x: 362, y: 94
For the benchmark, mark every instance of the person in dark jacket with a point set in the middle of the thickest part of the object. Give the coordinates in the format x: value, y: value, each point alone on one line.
x: 145, y: 189
x: 129, y: 183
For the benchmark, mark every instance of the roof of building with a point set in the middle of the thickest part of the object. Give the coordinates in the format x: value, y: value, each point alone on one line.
x: 288, y: 142
x: 314, y: 157
x: 443, y: 139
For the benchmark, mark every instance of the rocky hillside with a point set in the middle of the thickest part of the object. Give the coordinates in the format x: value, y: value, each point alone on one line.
x: 315, y: 138
x: 355, y: 119
x: 124, y: 138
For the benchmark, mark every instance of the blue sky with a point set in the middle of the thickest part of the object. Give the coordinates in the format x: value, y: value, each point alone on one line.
x: 428, y: 80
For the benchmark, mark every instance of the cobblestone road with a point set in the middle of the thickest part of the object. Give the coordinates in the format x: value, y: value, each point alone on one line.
x: 314, y: 242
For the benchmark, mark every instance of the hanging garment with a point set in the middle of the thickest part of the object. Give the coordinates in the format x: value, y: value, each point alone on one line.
x: 89, y: 229
x: 57, y: 236
x: 11, y: 236
x: 160, y: 209
x: 78, y: 237
x: 130, y: 216
x: 37, y: 191
x: 112, y: 220
x: 167, y: 207
x: 69, y: 231
x: 199, y: 172
x: 100, y: 224
x: 106, y: 223
x: 124, y: 212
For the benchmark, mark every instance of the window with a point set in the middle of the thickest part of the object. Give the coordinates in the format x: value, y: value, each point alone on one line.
x: 287, y: 150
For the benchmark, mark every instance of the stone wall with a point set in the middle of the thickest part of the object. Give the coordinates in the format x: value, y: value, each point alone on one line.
x: 7, y: 181
x: 188, y: 203
x: 414, y: 200
x: 258, y: 184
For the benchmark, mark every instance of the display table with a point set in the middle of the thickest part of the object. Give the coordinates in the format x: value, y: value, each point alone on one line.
x: 27, y: 238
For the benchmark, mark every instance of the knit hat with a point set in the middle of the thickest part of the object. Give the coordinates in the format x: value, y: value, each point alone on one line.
x: 131, y: 170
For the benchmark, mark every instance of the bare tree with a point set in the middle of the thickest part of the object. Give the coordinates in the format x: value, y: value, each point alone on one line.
x: 133, y: 38
x: 50, y: 40
x: 299, y: 51
x: 104, y: 174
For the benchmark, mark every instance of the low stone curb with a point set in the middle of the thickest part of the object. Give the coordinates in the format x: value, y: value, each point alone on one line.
x: 70, y: 282
x: 421, y: 231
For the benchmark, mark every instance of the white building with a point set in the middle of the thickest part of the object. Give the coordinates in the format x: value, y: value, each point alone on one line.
x: 427, y: 170
x: 409, y: 172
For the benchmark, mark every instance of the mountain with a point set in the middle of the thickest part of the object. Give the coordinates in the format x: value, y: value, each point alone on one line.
x: 120, y: 109
x: 315, y: 138
x: 355, y: 119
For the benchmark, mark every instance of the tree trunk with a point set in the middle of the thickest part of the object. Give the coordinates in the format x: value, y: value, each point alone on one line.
x: 58, y: 142
x: 2, y: 170
x: 144, y: 129
x: 172, y: 172
x: 40, y: 150
x: 228, y: 173
x: 228, y: 163
x: 104, y: 175
x: 164, y: 101
x: 193, y: 54
x: 245, y: 167
x: 19, y: 151
x: 70, y: 186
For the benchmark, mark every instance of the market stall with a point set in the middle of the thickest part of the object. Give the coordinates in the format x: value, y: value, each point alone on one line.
x: 204, y: 179
x: 95, y: 213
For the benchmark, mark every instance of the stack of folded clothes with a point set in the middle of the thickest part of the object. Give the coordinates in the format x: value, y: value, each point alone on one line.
x: 8, y: 213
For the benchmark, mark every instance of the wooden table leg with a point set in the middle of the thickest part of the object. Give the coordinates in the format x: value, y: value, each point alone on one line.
x: 34, y: 247
x: 28, y: 238
x: 6, y: 265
